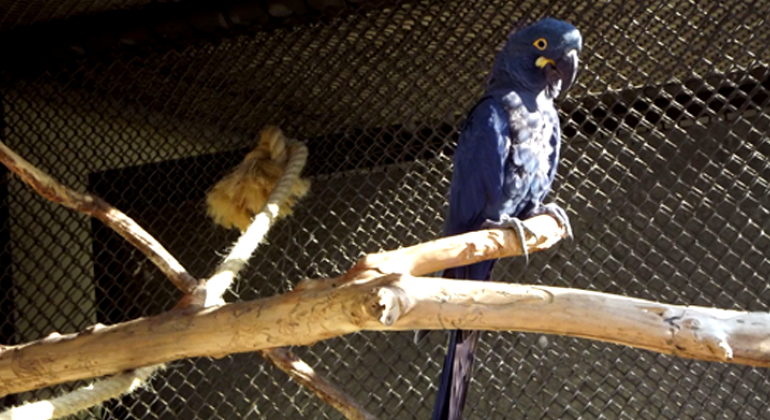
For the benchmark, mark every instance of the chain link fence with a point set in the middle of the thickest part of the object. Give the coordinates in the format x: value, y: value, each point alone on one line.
x: 664, y: 174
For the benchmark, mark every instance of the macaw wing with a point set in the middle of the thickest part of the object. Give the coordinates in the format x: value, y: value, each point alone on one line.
x: 479, y: 167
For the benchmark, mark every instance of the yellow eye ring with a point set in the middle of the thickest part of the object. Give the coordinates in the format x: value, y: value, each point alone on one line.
x: 541, y: 44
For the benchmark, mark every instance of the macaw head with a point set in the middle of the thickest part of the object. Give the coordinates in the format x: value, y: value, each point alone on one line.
x: 542, y: 57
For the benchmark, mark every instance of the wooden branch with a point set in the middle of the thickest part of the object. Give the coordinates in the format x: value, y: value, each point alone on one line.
x: 328, y: 392
x: 100, y: 209
x: 392, y: 302
x: 451, y: 251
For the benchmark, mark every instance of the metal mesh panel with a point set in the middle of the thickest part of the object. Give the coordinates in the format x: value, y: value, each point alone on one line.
x: 664, y: 174
x: 15, y: 13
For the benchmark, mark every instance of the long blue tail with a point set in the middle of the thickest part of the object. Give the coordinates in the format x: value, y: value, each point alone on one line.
x: 458, y: 364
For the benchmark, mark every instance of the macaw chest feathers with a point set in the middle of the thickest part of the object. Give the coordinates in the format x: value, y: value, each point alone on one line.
x: 532, y: 158
x: 531, y: 151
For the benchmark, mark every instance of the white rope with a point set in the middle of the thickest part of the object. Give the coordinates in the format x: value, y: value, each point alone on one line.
x: 249, y: 240
x: 82, y: 398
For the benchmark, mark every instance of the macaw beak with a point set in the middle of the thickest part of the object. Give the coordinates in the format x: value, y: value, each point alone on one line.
x: 560, y: 73
x: 567, y: 66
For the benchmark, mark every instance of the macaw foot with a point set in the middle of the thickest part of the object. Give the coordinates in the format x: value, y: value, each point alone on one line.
x: 559, y: 214
x: 507, y: 222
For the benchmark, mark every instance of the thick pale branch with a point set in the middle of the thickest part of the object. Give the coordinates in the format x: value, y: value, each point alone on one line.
x: 389, y: 303
x: 451, y: 251
x: 98, y: 208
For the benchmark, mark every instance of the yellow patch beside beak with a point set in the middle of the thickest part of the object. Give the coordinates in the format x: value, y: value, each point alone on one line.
x: 542, y: 62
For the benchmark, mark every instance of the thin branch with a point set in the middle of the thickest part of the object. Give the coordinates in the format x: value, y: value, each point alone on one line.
x: 89, y: 204
x: 306, y: 376
x: 453, y: 251
x: 94, y: 206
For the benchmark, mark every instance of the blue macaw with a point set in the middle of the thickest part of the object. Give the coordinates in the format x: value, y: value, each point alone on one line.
x: 505, y: 162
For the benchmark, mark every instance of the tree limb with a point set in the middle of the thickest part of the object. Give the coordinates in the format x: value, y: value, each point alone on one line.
x: 94, y: 206
x: 395, y: 302
x: 301, y: 372
x: 452, y: 251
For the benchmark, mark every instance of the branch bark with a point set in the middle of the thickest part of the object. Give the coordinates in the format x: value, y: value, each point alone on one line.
x: 391, y: 302
x: 94, y: 206
x: 452, y: 251
x: 395, y: 302
x: 301, y: 372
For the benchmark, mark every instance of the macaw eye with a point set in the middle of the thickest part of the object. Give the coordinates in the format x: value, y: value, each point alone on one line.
x: 540, y: 44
